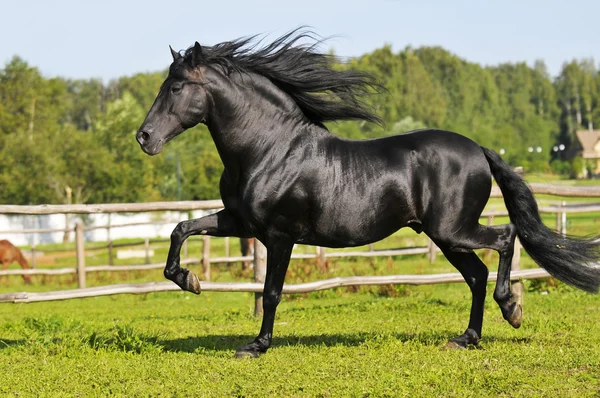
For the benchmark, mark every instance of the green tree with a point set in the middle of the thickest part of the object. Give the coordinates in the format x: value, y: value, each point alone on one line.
x: 28, y: 102
x: 27, y: 169
x: 89, y: 100
x: 577, y: 92
x: 132, y: 172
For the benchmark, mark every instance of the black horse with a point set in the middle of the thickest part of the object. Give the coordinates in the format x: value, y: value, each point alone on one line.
x: 288, y: 180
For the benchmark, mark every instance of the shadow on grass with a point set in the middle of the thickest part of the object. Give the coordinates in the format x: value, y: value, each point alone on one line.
x: 231, y: 343
x: 11, y: 343
x: 133, y: 342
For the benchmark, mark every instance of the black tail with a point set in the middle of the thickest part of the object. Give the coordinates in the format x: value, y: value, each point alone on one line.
x: 572, y: 260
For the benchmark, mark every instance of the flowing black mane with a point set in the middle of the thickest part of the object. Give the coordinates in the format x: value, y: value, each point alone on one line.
x: 322, y: 93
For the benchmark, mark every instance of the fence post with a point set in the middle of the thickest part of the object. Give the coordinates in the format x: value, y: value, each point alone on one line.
x: 33, y: 261
x: 260, y: 271
x: 69, y: 200
x: 147, y: 248
x: 108, y: 227
x: 206, y: 257
x: 80, y: 254
x: 320, y: 256
x: 110, y: 253
x: 563, y: 222
x: 432, y: 250
x: 517, y: 288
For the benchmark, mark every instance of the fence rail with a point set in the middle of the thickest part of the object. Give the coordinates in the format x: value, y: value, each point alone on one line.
x: 258, y: 258
x: 112, y: 207
x: 557, y: 190
x: 256, y: 287
x: 537, y: 188
x: 430, y: 249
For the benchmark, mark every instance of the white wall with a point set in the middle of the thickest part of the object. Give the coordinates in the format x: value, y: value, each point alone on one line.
x: 17, y: 222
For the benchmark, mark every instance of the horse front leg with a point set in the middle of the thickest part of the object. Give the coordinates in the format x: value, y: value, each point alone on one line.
x: 218, y: 224
x: 278, y: 259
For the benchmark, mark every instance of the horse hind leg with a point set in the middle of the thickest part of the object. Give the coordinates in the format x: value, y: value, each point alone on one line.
x: 512, y: 311
x: 475, y: 274
x: 500, y: 238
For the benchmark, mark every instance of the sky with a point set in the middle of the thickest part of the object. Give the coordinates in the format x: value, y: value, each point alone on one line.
x: 107, y: 39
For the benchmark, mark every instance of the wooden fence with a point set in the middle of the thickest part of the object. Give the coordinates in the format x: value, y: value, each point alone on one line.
x: 259, y: 258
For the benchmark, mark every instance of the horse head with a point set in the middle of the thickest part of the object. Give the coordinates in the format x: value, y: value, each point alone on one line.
x: 182, y: 102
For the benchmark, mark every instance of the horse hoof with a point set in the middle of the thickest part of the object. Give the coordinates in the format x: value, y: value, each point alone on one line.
x: 246, y: 354
x: 452, y: 345
x: 192, y: 283
x: 516, y: 316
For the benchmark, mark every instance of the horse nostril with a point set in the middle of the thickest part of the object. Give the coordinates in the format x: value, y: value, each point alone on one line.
x: 142, y: 136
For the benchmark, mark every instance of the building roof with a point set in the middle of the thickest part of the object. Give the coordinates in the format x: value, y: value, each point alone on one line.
x: 590, y: 142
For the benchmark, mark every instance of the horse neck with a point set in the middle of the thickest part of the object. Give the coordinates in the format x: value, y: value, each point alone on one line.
x: 250, y: 116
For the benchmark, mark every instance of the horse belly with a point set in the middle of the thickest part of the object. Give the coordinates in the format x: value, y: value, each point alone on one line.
x: 360, y: 221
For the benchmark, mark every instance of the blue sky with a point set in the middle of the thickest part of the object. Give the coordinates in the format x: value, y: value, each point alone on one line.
x: 107, y: 39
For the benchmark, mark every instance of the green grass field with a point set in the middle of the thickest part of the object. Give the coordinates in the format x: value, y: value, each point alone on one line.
x: 356, y: 342
x: 329, y: 344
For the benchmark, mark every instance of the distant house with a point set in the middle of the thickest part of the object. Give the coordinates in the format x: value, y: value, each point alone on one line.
x: 590, y: 144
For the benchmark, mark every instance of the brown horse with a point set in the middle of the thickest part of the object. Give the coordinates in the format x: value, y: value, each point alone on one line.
x: 9, y: 254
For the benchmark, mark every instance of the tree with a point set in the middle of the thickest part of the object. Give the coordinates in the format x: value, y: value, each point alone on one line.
x: 57, y: 133
x: 132, y: 172
x: 89, y: 100
x: 28, y: 102
x: 577, y: 91
x: 27, y: 169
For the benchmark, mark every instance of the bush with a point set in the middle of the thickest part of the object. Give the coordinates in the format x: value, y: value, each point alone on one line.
x: 578, y: 169
x: 561, y: 167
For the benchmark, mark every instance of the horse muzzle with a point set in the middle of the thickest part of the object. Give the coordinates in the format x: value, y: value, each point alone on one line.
x: 148, y: 145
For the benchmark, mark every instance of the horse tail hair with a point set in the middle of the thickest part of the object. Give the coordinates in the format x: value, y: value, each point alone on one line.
x: 572, y: 260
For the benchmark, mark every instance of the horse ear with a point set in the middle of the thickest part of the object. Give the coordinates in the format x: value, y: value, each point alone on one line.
x: 196, y: 55
x: 175, y: 54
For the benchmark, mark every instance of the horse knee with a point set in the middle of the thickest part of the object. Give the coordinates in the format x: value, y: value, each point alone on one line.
x: 508, y: 239
x: 271, y: 300
x: 478, y: 283
x: 178, y: 232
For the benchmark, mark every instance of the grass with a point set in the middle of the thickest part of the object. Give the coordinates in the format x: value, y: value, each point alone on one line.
x: 357, y: 342
x: 327, y: 344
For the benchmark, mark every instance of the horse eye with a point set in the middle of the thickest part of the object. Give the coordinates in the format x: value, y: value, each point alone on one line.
x: 175, y: 89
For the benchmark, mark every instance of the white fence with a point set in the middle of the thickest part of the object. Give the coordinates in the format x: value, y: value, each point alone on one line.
x: 258, y: 258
